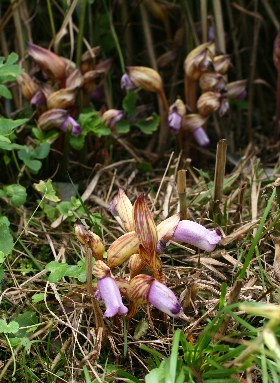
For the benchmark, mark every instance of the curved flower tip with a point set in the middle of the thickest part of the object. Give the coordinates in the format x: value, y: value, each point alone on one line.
x: 175, y: 121
x: 126, y: 83
x: 201, y: 137
x: 197, y: 235
x: 69, y: 122
x: 164, y: 299
x: 111, y: 117
x: 108, y: 290
x: 48, y: 61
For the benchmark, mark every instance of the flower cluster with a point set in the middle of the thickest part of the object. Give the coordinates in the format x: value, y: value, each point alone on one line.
x: 202, y: 64
x: 54, y: 96
x: 210, y: 68
x: 141, y: 244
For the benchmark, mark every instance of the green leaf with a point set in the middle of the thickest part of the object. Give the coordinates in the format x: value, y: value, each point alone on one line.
x: 4, y: 139
x: 6, y: 239
x: 149, y: 125
x: 2, y: 257
x: 26, y: 319
x: 33, y: 165
x: 12, y: 58
x: 57, y: 271
x: 16, y: 193
x: 5, y: 92
x: 122, y: 127
x: 77, y: 142
x: 42, y: 151
x: 101, y: 130
x: 7, y: 125
x: 8, y: 328
x: 129, y: 103
x: 38, y: 297
x: 47, y: 189
x: 65, y: 208
x: 9, y: 146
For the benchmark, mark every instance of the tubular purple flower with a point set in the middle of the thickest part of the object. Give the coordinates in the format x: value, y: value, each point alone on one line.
x: 197, y: 235
x: 76, y: 129
x: 201, y: 137
x: 126, y: 83
x: 108, y: 290
x: 164, y: 299
x: 175, y: 121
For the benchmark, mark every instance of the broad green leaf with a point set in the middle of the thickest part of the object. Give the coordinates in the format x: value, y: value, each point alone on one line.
x: 5, y: 92
x: 33, y: 165
x: 6, y: 239
x: 65, y: 208
x: 42, y: 151
x: 8, y: 328
x: 122, y: 127
x: 77, y: 142
x: 100, y: 130
x: 16, y: 193
x: 57, y: 271
x: 47, y: 189
x: 129, y: 103
x: 149, y: 125
x: 9, y: 146
x: 12, y: 58
x: 7, y: 125
x: 38, y: 297
x: 2, y: 257
x: 9, y: 72
x: 26, y: 319
x: 4, y: 139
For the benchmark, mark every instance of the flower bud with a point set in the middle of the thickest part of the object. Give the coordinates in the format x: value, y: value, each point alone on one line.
x: 28, y: 86
x: 212, y: 81
x: 90, y: 240
x: 222, y: 63
x: 74, y: 80
x: 208, y: 103
x: 197, y: 235
x: 122, y: 248
x: 199, y: 60
x: 145, y: 78
x: 48, y: 61
x: 52, y: 119
x: 108, y: 291
x: 101, y: 270
x: 191, y: 122
x: 61, y: 99
x: 135, y: 265
x: 122, y: 207
x: 88, y: 59
x: 176, y: 111
x: 237, y: 89
x: 144, y: 224
x: 224, y: 106
x: 111, y: 117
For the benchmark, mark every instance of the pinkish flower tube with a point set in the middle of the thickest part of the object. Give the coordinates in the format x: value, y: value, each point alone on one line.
x: 71, y: 122
x: 164, y: 299
x: 201, y: 137
x: 126, y: 82
x: 175, y: 121
x: 197, y: 235
x: 108, y: 291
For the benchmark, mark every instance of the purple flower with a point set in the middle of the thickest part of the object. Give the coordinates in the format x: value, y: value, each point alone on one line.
x: 175, y: 121
x: 126, y: 83
x: 197, y: 235
x: 70, y: 122
x: 108, y: 290
x: 164, y: 299
x: 39, y: 99
x: 201, y: 137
